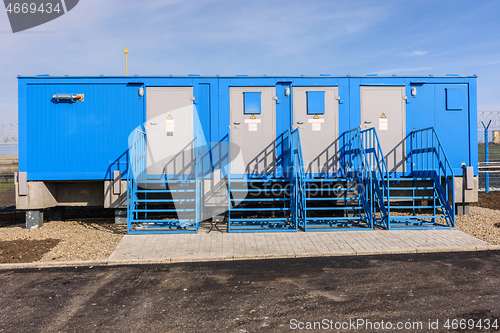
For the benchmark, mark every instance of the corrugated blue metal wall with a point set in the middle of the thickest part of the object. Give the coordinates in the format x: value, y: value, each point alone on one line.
x: 428, y: 109
x: 88, y: 140
x: 81, y: 140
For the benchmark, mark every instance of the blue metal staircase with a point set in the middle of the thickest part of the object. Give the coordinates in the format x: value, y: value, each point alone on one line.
x: 342, y: 200
x: 261, y: 202
x: 423, y: 197
x: 160, y: 203
x: 360, y: 194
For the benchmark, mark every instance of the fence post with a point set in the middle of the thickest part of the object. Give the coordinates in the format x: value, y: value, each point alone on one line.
x: 487, y: 159
x: 486, y: 156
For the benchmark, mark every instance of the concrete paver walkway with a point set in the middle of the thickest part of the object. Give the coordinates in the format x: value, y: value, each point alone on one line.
x: 224, y: 246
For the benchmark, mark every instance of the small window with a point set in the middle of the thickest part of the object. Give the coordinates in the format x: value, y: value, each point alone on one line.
x: 454, y: 99
x: 315, y: 102
x: 252, y: 102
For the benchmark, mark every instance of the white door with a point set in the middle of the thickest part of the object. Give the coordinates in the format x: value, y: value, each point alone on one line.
x: 318, y: 123
x: 169, y: 130
x: 253, y: 129
x: 384, y: 108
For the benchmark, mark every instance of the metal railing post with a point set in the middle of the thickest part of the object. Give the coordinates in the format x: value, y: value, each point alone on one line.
x: 486, y: 156
x: 487, y: 159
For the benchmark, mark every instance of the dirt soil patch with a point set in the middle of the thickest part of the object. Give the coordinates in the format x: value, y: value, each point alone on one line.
x: 488, y: 200
x: 7, y: 197
x: 87, y: 234
x: 8, y: 219
x: 90, y: 234
x: 25, y: 250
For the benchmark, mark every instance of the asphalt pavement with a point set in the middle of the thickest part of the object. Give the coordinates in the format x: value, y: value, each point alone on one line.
x: 411, y: 292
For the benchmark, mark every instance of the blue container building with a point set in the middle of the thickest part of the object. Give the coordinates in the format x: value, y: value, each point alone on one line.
x: 258, y: 153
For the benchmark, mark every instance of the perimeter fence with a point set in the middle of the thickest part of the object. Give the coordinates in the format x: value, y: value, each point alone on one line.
x: 488, y: 129
x: 8, y: 167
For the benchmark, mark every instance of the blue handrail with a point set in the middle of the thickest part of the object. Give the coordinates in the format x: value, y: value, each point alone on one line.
x: 380, y: 172
x: 428, y: 159
x: 138, y: 163
x: 198, y: 167
x: 298, y: 177
x: 355, y: 164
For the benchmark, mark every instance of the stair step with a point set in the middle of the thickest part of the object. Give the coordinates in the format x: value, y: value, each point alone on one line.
x: 263, y: 190
x: 340, y: 218
x: 266, y: 199
x: 417, y: 207
x: 415, y: 197
x: 416, y: 217
x: 165, y: 191
x: 274, y: 220
x: 258, y: 209
x: 335, y: 208
x: 272, y: 180
x: 169, y: 181
x: 392, y: 179
x: 164, y: 221
x: 163, y: 200
x: 416, y: 188
x: 162, y: 210
x: 330, y: 189
x: 336, y: 179
x: 332, y: 198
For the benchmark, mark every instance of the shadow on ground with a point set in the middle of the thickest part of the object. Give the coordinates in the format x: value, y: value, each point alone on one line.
x: 255, y: 296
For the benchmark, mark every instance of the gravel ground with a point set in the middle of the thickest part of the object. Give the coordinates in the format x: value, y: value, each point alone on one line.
x: 25, y: 250
x: 483, y: 223
x: 89, y: 239
x: 95, y: 238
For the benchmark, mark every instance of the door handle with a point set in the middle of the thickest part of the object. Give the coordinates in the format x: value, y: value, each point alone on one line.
x: 237, y: 123
x: 368, y: 122
x: 300, y: 122
x: 153, y: 123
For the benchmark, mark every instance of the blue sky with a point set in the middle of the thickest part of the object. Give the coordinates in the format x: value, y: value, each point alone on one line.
x: 259, y: 37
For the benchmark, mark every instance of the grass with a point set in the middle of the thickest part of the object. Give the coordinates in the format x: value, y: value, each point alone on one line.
x: 494, y: 155
x: 6, y: 186
x: 493, y: 151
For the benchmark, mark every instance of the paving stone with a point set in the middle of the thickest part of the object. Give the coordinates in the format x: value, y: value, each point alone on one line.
x: 224, y: 246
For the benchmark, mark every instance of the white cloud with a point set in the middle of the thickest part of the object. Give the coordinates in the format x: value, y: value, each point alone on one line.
x: 418, y: 53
